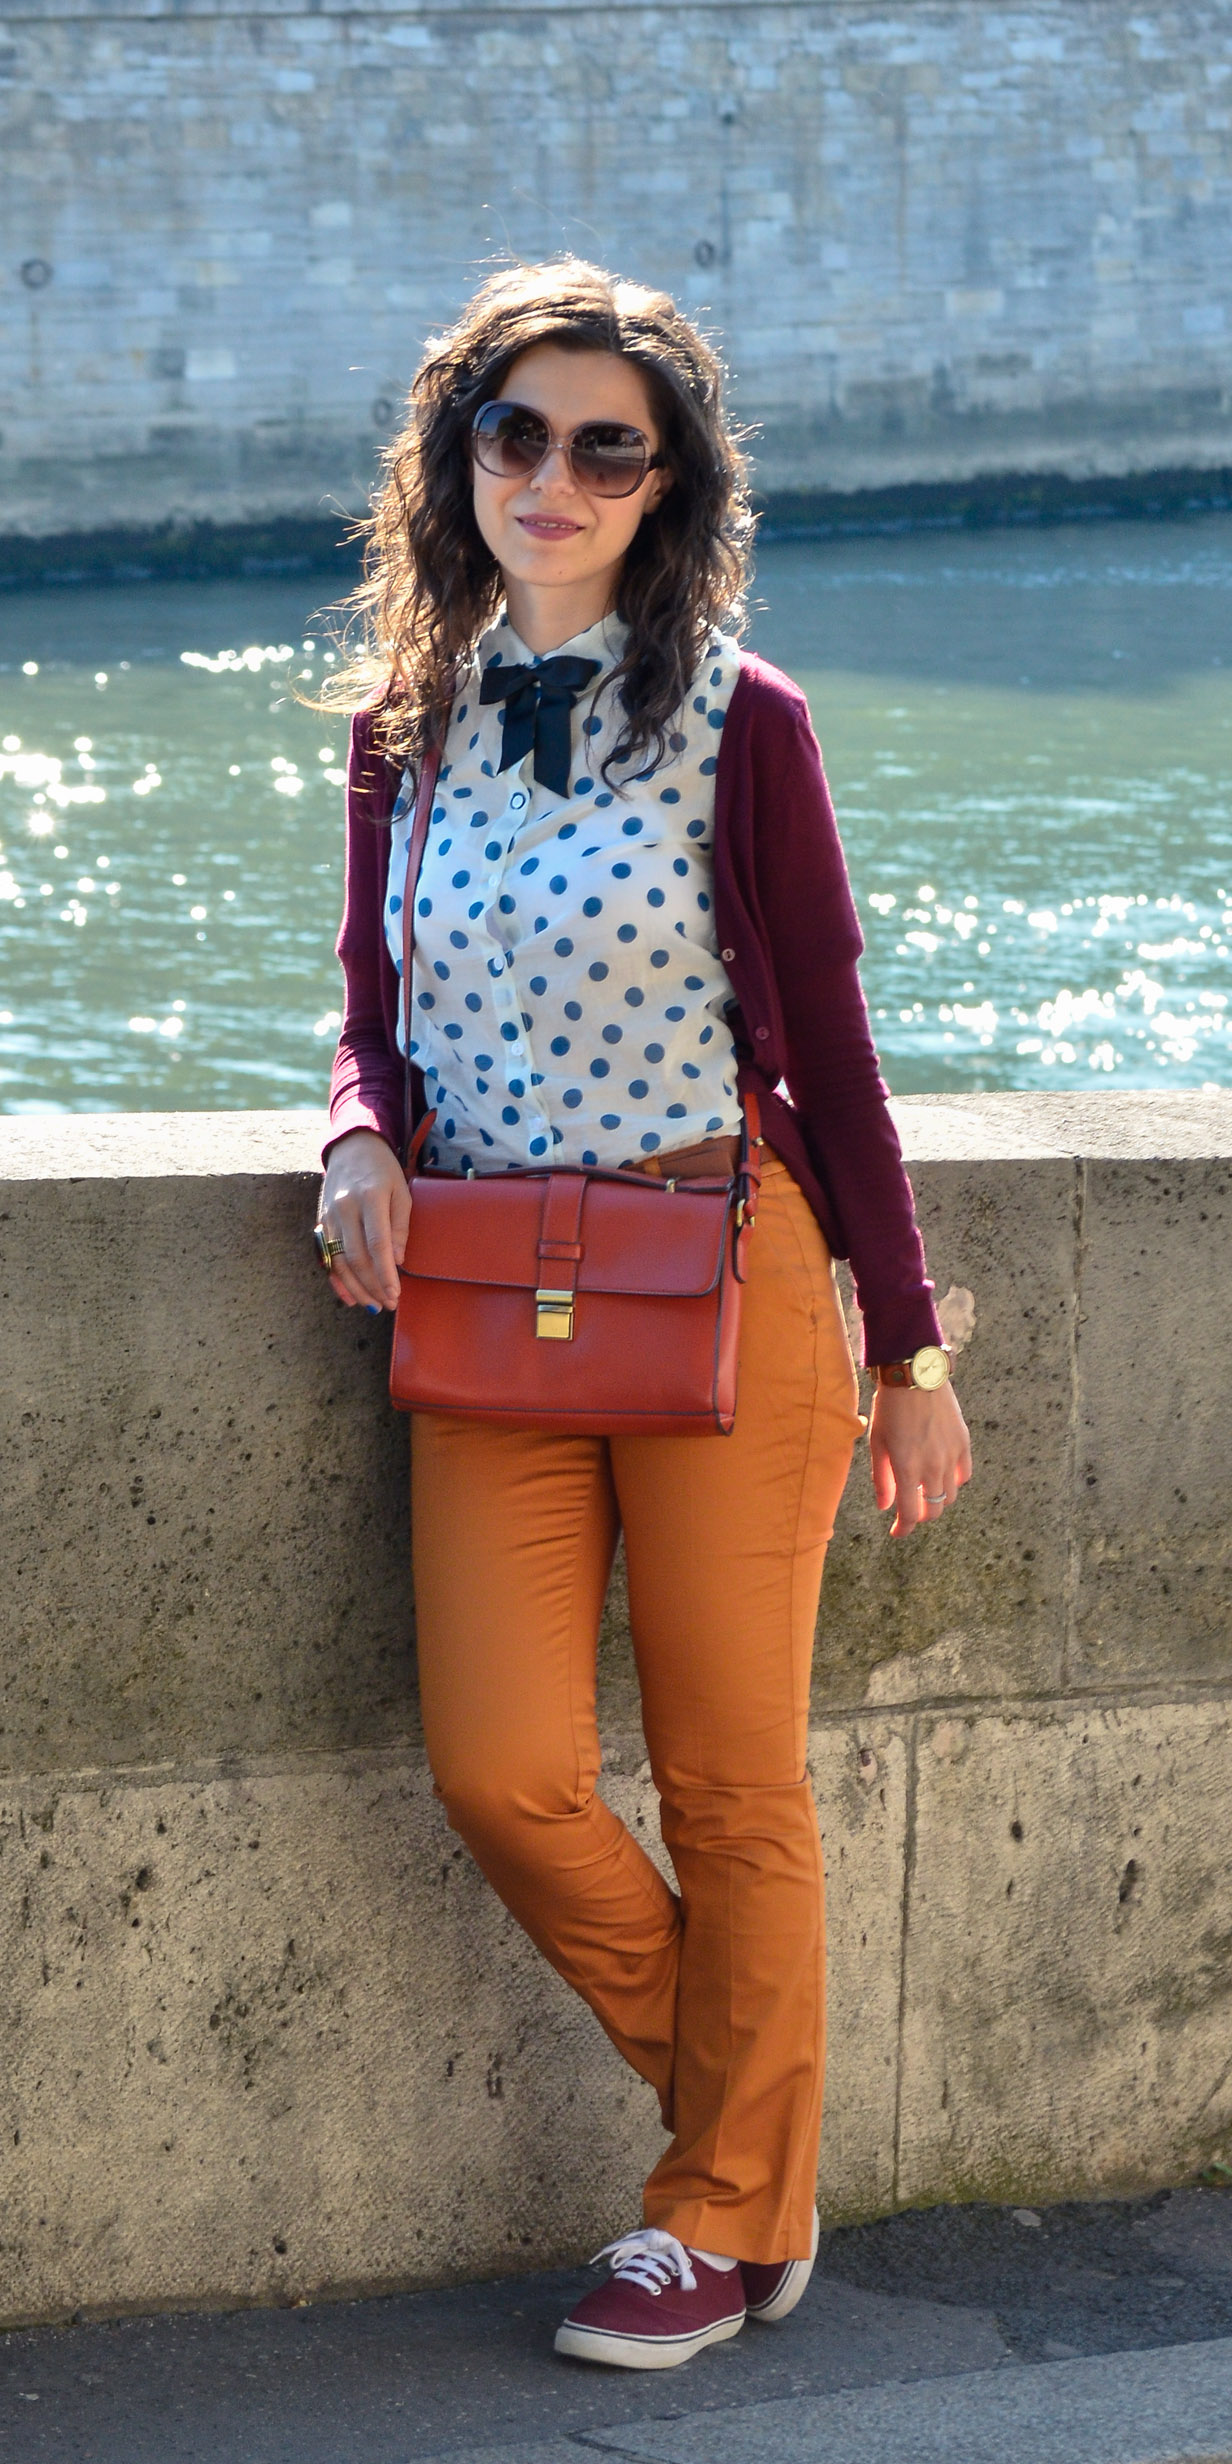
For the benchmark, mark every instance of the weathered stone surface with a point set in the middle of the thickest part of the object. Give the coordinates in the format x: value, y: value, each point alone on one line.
x: 984, y: 1592
x: 206, y: 1492
x: 1068, y: 1983
x: 937, y: 241
x: 1155, y: 1370
x: 860, y: 1772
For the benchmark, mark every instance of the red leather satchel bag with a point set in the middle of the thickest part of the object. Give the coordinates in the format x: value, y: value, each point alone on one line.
x: 591, y: 1300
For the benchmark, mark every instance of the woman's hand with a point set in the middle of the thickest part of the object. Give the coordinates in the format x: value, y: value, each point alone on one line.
x: 920, y: 1453
x: 365, y: 1203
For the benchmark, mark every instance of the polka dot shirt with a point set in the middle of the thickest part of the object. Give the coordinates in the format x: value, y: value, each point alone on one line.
x: 568, y: 996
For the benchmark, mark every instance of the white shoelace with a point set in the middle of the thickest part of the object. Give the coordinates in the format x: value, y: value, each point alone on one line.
x: 650, y: 2258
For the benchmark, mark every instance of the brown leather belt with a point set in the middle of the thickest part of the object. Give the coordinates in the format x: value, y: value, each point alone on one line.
x: 714, y: 1159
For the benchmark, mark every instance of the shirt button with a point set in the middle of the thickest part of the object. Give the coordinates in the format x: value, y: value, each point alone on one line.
x: 516, y: 803
x: 727, y: 956
x: 762, y: 1034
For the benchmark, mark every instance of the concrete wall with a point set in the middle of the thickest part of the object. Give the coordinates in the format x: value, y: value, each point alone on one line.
x: 264, y: 2031
x: 940, y: 238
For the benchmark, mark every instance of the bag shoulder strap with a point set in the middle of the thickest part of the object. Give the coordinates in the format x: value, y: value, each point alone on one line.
x: 414, y: 858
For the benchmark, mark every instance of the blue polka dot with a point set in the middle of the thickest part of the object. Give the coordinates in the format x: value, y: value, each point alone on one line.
x: 694, y: 983
x: 487, y: 769
x: 621, y: 872
x: 573, y: 1009
x: 627, y: 932
x: 605, y: 798
x: 539, y: 983
x: 506, y: 904
x: 592, y: 906
x: 696, y: 829
x: 677, y: 1112
x: 541, y: 923
x: 715, y: 1121
x: 659, y: 958
x: 425, y: 906
x: 527, y: 1020
x: 609, y: 1120
x: 464, y: 791
x: 484, y: 1060
x: 394, y: 905
x: 635, y: 997
x: 484, y: 1135
x: 427, y: 1000
x: 650, y: 1140
x: 703, y: 902
x: 600, y: 1068
x: 699, y: 701
x: 677, y: 743
x: 669, y: 795
x: 470, y: 749
x: 458, y: 941
x: 536, y: 1078
x: 592, y: 726
x: 461, y: 880
x: 453, y: 1031
x: 708, y: 767
x: 461, y: 714
x: 714, y: 718
x: 517, y: 1086
x: 493, y: 848
x: 476, y: 911
x: 496, y: 966
x: 496, y: 660
x: 473, y: 1001
x: 580, y: 786
x: 568, y: 829
x: 705, y: 1035
x: 563, y: 949
x: 597, y: 972
x: 531, y: 865
x: 680, y: 929
x: 588, y: 1153
x: 689, y: 1069
x: 558, y: 884
x: 638, y: 1087
x: 572, y: 1097
x: 478, y: 820
x: 558, y: 1137
x: 654, y: 1052
x: 438, y: 813
x: 680, y: 864
x: 656, y: 898
x: 613, y: 1035
x: 537, y: 1146
x: 632, y: 828
x: 439, y: 968
x: 509, y: 1032
x: 509, y: 1112
x: 451, y: 1129
x: 559, y: 1045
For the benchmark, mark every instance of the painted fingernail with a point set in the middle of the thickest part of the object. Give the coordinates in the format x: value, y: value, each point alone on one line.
x: 372, y: 1309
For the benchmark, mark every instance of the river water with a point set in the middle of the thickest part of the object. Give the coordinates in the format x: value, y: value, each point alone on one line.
x: 1028, y: 736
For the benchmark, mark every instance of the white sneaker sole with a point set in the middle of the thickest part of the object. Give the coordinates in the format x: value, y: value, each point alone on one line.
x: 642, y: 2352
x: 792, y: 2289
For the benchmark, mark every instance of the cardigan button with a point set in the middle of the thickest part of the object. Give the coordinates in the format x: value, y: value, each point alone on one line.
x: 727, y: 956
x: 762, y: 1034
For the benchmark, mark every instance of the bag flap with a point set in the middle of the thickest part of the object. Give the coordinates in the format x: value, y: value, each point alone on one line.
x: 635, y: 1238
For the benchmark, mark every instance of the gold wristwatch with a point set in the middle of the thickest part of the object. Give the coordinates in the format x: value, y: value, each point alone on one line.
x: 928, y: 1368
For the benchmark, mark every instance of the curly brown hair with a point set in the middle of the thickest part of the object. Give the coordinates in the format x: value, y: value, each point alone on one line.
x: 430, y: 582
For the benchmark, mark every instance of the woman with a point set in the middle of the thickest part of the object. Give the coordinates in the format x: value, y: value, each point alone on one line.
x: 632, y: 910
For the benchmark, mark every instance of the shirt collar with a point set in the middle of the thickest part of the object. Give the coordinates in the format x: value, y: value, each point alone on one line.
x: 605, y: 641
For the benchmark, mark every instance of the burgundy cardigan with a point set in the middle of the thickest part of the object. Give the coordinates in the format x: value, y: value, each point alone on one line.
x: 790, y: 941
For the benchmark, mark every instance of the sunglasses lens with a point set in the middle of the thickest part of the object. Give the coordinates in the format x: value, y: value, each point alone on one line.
x: 509, y: 441
x: 609, y: 460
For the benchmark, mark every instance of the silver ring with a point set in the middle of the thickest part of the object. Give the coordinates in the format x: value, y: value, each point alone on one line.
x: 934, y: 1501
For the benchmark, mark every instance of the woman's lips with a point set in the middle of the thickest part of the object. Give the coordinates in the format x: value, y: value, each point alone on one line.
x: 546, y: 526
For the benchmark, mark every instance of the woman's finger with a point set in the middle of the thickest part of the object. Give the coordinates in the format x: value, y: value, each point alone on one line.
x: 379, y: 1244
x: 353, y: 1275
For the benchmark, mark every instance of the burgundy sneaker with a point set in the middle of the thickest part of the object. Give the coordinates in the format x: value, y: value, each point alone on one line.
x: 771, y: 2293
x: 660, y: 2305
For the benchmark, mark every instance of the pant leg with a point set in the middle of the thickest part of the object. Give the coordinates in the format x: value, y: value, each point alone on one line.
x: 513, y: 1535
x: 726, y: 1539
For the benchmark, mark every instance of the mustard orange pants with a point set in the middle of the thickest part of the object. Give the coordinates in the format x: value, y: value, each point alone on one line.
x: 716, y: 1996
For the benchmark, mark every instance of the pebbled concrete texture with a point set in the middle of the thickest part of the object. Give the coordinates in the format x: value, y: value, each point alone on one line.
x: 926, y: 2311
x: 267, y: 2035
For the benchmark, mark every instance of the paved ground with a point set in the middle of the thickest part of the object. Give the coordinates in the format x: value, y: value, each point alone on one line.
x: 1078, y: 2335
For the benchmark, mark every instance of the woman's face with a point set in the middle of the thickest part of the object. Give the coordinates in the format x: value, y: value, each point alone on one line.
x: 545, y: 530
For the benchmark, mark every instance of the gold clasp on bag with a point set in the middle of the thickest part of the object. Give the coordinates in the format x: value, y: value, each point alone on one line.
x: 554, y: 1315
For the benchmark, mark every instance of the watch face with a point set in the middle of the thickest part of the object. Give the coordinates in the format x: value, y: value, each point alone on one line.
x: 930, y: 1367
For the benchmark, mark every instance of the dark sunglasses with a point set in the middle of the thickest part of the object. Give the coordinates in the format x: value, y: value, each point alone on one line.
x: 605, y: 457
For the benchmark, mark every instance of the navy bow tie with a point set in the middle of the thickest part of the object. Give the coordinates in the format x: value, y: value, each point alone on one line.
x: 538, y: 704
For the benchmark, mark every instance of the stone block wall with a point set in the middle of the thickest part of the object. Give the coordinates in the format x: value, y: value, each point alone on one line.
x: 265, y: 2031
x: 938, y: 239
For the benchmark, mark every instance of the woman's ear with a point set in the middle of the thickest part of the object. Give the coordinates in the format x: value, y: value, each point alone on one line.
x: 660, y: 482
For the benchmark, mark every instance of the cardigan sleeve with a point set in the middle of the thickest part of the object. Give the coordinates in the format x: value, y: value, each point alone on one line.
x: 366, y: 1086
x: 831, y: 1066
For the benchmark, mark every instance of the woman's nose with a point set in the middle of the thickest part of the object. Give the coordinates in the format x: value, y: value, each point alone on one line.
x: 545, y: 473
